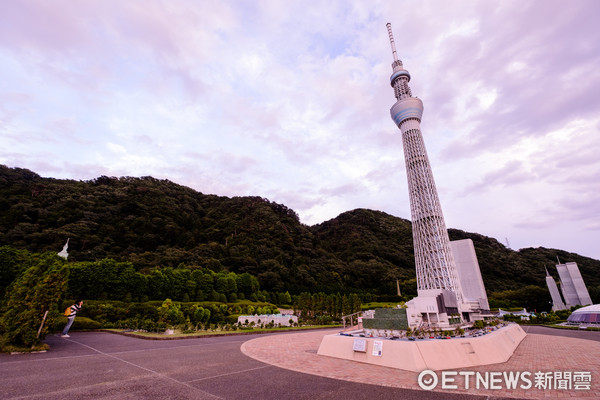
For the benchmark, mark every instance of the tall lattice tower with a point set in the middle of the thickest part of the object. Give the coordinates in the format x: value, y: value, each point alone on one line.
x: 433, y: 258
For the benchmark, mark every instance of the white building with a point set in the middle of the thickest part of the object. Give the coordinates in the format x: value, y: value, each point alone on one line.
x: 572, y: 285
x: 277, y: 319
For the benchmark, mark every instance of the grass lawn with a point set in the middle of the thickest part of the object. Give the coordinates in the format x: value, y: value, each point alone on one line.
x: 568, y: 327
x: 9, y: 348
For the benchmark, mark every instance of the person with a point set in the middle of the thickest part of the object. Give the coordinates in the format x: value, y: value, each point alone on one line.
x: 74, y: 309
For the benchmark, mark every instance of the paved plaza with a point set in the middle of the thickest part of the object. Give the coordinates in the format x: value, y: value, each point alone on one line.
x: 275, y: 366
x: 548, y: 350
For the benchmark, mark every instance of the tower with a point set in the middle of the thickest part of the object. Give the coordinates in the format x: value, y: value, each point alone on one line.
x: 572, y: 285
x: 434, y: 261
x: 469, y: 274
x: 557, y: 303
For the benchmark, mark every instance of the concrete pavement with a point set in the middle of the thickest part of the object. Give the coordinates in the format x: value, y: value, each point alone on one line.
x: 107, y: 366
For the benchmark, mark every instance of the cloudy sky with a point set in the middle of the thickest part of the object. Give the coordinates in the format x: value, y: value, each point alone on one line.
x: 289, y: 100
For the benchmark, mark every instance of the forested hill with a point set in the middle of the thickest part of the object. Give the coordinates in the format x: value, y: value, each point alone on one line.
x: 157, y: 223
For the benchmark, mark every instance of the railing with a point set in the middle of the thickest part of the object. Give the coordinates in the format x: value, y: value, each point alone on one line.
x: 351, y: 316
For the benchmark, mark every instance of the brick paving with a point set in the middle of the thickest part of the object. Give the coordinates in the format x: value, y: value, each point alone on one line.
x: 543, y: 353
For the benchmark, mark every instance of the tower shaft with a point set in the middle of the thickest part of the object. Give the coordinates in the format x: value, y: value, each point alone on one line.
x: 434, y: 260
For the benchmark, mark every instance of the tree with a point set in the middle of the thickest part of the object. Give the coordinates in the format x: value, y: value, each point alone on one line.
x: 271, y: 280
x: 287, y: 298
x: 39, y: 289
x: 12, y: 261
x: 170, y: 313
x: 199, y: 315
x: 247, y: 284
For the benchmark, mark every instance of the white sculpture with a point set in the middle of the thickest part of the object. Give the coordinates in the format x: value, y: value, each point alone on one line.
x: 63, y: 253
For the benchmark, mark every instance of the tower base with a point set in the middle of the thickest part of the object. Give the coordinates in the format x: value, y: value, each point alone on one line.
x: 435, y: 354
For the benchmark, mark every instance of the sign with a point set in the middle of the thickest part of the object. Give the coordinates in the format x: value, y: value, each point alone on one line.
x: 377, y: 348
x: 360, y: 345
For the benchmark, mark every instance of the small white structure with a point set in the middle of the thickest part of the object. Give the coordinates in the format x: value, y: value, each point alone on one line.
x: 277, y: 319
x: 63, y: 253
x: 523, y: 314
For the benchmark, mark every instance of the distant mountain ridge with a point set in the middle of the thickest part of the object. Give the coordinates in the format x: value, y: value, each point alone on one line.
x: 157, y: 223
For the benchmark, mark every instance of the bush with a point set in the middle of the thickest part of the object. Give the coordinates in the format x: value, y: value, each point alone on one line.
x: 170, y: 313
x: 37, y: 290
x: 478, y: 324
x: 131, y: 323
x: 149, y: 325
x: 80, y: 323
x: 324, y: 320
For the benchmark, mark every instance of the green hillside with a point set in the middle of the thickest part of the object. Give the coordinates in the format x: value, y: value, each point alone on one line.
x: 156, y: 224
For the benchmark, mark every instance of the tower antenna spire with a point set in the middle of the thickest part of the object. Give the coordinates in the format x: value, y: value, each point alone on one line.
x: 389, y: 28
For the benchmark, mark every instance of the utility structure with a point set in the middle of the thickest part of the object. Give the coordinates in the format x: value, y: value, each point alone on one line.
x: 440, y: 300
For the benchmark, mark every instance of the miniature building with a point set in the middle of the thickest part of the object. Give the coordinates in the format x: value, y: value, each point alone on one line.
x: 386, y: 318
x: 557, y: 303
x: 469, y: 273
x: 589, y: 315
x: 277, y: 319
x: 572, y: 285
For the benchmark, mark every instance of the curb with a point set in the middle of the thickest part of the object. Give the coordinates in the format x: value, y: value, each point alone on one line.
x: 244, y: 333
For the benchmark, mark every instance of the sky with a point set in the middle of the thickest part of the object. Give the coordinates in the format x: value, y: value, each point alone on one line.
x: 289, y: 100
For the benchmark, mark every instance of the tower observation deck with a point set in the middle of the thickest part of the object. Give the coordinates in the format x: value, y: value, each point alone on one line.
x: 435, y: 266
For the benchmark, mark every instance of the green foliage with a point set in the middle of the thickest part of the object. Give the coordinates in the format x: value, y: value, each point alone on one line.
x: 108, y: 278
x: 12, y: 263
x: 80, y: 323
x: 594, y: 294
x: 478, y: 324
x: 37, y: 290
x: 531, y: 297
x: 145, y: 238
x: 170, y: 313
x: 317, y: 306
x: 199, y: 315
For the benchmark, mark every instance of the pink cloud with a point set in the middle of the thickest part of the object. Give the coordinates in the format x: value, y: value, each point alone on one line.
x: 511, y: 174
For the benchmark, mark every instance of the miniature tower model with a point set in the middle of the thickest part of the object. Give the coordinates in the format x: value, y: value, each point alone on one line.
x: 433, y: 257
x: 469, y: 274
x: 572, y: 285
x: 557, y: 303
